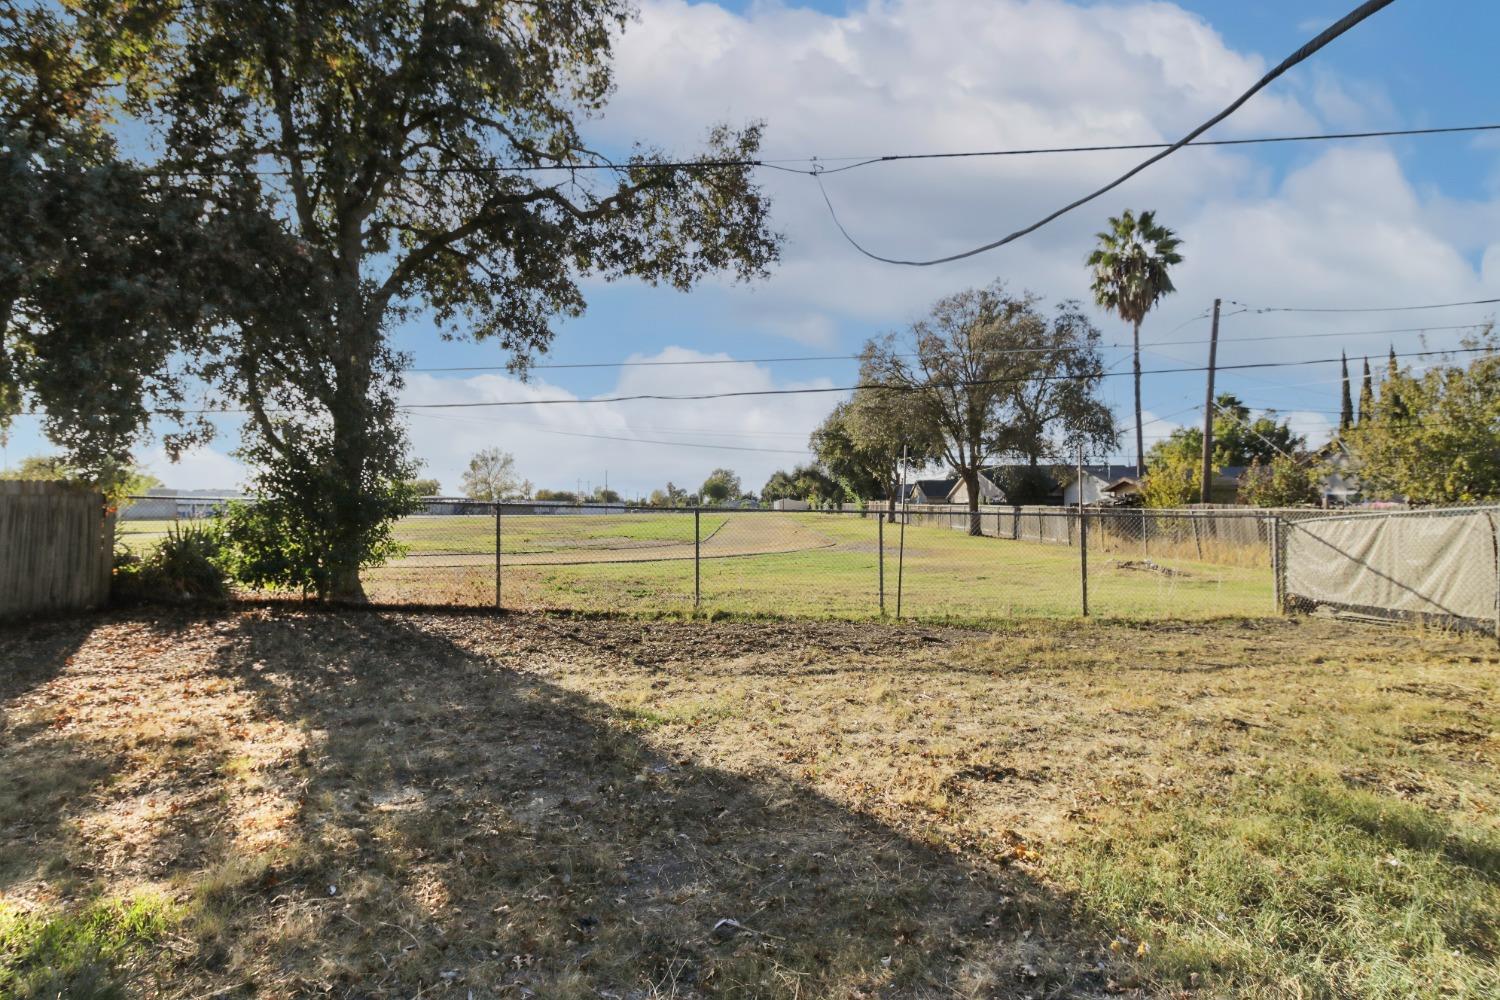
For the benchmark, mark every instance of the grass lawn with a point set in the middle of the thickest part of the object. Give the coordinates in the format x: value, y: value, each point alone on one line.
x: 280, y: 802
x: 833, y: 570
x: 801, y: 565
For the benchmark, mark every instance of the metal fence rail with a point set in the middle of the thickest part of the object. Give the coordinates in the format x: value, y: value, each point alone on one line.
x: 923, y: 562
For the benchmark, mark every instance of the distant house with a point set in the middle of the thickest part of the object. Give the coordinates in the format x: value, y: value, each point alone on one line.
x: 1100, y: 483
x: 928, y: 491
x: 788, y: 503
x: 988, y: 491
x: 1339, y: 486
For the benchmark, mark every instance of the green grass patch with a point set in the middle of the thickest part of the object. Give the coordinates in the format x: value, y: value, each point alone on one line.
x: 82, y: 954
x: 1327, y: 890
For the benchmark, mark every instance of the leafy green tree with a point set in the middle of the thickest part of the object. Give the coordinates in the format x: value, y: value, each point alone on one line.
x: 721, y: 485
x: 1132, y: 268
x: 1238, y: 439
x: 556, y: 496
x: 362, y: 161
x: 780, y: 486
x: 99, y: 285
x: 968, y: 368
x: 888, y: 433
x: 426, y: 487
x: 1174, y: 478
x: 492, y: 476
x: 859, y: 471
x: 1443, y: 444
x: 1284, y: 481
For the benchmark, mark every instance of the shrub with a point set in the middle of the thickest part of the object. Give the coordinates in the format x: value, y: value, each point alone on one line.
x: 187, y: 565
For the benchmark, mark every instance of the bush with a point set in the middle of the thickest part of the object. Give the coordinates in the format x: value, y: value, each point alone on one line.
x: 275, y: 543
x: 189, y: 564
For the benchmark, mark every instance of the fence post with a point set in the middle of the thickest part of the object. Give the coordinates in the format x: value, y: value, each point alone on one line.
x: 1277, y: 569
x: 1083, y: 541
x: 498, y: 605
x: 697, y: 557
x: 880, y: 559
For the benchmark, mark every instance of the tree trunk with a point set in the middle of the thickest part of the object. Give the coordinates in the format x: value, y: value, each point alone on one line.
x: 971, y: 486
x: 1140, y: 446
x: 350, y: 419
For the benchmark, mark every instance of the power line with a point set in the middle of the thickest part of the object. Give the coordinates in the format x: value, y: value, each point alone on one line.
x: 817, y: 161
x: 1005, y: 351
x: 1364, y: 309
x: 811, y: 390
x: 1338, y: 28
x: 1123, y: 147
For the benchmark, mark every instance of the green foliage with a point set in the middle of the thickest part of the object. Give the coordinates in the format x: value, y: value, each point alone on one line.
x: 426, y: 487
x: 1174, y: 479
x: 1282, y: 482
x: 721, y: 485
x: 188, y: 564
x: 1434, y: 437
x: 291, y: 541
x: 1238, y: 440
x: 805, y: 482
x: 80, y: 954
x: 556, y: 496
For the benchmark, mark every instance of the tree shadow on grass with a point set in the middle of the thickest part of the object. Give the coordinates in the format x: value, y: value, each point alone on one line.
x: 470, y: 830
x: 41, y: 774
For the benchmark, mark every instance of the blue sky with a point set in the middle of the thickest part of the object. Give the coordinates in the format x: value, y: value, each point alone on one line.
x: 1373, y: 222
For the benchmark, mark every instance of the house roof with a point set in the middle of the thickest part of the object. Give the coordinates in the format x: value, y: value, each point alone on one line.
x: 930, y: 487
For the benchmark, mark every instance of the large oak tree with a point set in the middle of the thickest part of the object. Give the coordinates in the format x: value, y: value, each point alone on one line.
x: 364, y: 162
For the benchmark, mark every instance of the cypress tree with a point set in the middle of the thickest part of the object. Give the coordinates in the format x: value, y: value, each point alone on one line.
x: 1394, y: 404
x: 1366, y: 396
x: 1346, y: 410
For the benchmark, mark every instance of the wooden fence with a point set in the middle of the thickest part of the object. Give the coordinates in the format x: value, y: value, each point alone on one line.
x: 56, y: 547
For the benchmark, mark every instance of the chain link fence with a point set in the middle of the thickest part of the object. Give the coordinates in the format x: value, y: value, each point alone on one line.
x: 934, y: 563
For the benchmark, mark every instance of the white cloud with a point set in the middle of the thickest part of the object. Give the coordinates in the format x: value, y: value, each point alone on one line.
x: 200, y: 469
x: 557, y: 446
x: 1343, y: 225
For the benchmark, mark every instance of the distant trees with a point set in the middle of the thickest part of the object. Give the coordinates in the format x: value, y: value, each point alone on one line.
x: 556, y: 496
x: 1174, y: 465
x: 1238, y: 439
x: 426, y: 487
x: 805, y: 482
x: 1434, y: 437
x: 721, y: 485
x: 968, y: 365
x: 492, y: 476
x: 865, y: 442
x: 1284, y: 481
x: 672, y: 496
x: 1132, y: 268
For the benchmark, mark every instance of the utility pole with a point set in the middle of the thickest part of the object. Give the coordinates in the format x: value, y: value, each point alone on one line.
x: 1208, y: 409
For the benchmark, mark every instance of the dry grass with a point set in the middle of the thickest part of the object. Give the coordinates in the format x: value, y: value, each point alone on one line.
x: 288, y: 803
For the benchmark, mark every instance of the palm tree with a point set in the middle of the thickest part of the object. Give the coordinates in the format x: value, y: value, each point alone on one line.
x: 1131, y: 267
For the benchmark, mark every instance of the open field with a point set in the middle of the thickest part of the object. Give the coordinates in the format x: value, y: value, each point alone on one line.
x: 279, y: 802
x: 800, y: 565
